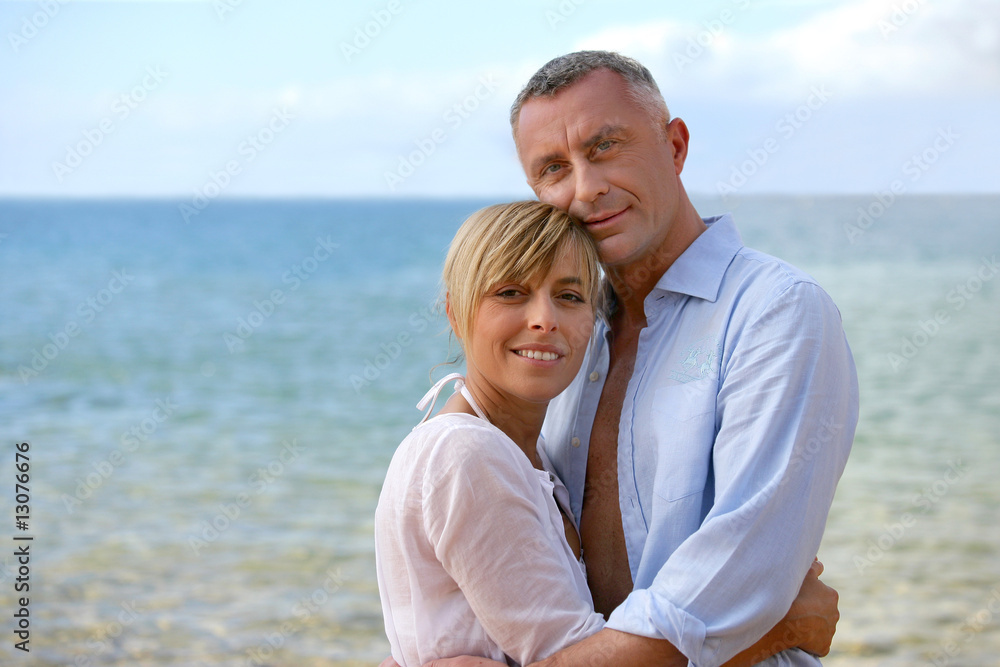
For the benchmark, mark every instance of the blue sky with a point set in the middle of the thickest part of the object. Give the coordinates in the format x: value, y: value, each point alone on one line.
x: 391, y: 98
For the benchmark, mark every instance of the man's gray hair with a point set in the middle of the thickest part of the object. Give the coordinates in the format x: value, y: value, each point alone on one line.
x: 564, y: 71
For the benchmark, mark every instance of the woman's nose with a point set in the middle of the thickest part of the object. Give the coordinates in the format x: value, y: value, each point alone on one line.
x: 542, y: 314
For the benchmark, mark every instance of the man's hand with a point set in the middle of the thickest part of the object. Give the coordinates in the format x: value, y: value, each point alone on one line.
x: 808, y: 625
x: 813, y: 614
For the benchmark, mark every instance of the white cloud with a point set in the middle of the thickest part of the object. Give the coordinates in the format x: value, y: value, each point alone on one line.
x: 865, y: 48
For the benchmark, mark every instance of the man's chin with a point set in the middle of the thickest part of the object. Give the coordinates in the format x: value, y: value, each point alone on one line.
x: 614, y: 251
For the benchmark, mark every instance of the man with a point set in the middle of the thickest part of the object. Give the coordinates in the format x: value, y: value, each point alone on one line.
x: 704, y: 436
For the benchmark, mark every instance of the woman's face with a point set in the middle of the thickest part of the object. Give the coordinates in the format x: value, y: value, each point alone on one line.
x: 528, y: 339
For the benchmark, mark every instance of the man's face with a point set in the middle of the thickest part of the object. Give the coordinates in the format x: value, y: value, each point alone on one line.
x: 594, y: 152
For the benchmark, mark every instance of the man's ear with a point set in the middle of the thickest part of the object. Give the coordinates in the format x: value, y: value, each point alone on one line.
x: 451, y: 314
x: 678, y: 136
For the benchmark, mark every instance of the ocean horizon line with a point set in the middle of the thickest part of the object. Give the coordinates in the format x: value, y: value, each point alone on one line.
x: 456, y: 198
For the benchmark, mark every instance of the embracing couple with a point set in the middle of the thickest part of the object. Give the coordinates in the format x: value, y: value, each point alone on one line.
x: 638, y: 464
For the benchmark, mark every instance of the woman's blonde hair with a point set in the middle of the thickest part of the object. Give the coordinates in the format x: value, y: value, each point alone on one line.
x: 513, y: 242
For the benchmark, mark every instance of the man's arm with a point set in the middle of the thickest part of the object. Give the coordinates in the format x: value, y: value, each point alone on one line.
x: 809, y: 624
x: 785, y: 419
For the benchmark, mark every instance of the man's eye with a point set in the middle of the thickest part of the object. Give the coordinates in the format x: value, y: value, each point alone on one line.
x: 552, y: 168
x: 604, y: 145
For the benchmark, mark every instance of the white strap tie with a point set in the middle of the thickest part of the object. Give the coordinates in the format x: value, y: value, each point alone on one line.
x: 431, y: 397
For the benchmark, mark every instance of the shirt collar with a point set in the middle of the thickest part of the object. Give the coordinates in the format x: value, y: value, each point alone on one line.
x: 699, y: 270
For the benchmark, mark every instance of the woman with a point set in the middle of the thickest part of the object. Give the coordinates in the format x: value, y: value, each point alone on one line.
x: 476, y: 552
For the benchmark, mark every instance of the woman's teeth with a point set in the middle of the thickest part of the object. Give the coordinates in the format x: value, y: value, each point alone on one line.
x: 535, y: 354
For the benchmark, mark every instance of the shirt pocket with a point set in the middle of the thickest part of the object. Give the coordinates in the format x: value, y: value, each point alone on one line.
x: 683, y: 423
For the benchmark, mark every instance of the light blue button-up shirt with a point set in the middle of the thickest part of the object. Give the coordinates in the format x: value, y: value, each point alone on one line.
x: 735, y: 429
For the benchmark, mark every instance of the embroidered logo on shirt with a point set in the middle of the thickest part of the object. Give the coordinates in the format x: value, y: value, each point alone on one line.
x: 698, y: 361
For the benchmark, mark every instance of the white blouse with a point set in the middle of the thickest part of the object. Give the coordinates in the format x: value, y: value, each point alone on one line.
x: 470, y: 549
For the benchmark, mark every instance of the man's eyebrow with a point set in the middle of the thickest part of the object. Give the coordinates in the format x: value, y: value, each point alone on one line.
x: 540, y: 162
x: 602, y: 134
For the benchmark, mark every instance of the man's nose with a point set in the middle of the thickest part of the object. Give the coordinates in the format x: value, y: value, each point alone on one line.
x: 590, y: 183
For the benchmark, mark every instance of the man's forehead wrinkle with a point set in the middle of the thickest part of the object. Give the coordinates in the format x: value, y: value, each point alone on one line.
x: 578, y: 133
x: 546, y: 149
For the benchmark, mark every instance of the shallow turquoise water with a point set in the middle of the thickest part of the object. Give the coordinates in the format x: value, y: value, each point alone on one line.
x: 173, y: 527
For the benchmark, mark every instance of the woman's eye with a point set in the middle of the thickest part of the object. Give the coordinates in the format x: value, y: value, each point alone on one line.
x: 569, y: 296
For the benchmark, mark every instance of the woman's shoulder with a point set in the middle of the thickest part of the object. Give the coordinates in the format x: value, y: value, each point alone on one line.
x: 461, y: 443
x: 457, y: 433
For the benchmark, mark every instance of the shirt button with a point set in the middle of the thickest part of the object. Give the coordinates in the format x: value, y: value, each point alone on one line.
x: 575, y: 442
x: 595, y: 376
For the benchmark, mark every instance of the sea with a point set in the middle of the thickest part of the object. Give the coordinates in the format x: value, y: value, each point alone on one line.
x: 200, y: 406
